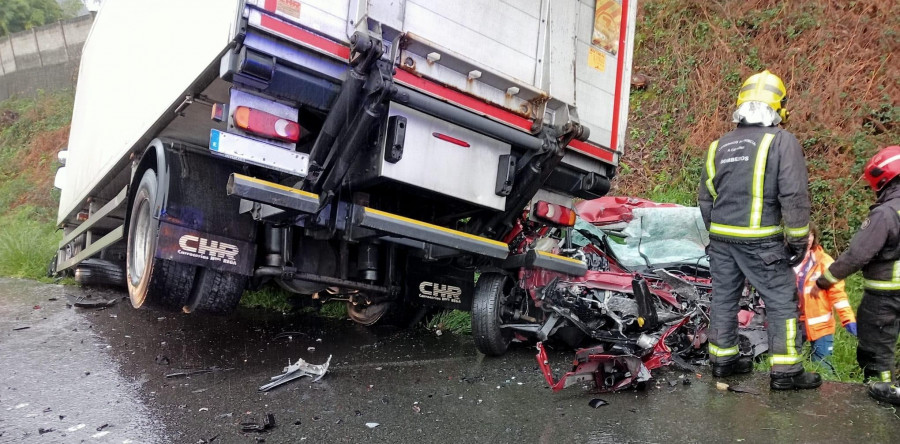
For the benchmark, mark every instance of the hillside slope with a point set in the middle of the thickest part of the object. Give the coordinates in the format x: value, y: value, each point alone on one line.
x: 838, y: 60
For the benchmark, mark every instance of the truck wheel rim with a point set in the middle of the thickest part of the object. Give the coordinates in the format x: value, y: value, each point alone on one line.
x: 140, y: 240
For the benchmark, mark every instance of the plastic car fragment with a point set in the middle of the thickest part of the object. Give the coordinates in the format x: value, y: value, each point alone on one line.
x: 298, y: 370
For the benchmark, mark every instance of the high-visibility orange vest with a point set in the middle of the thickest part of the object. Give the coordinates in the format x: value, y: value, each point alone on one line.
x: 816, y: 312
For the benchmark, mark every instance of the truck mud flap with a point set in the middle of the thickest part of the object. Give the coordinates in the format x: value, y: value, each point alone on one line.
x: 440, y: 285
x: 190, y: 246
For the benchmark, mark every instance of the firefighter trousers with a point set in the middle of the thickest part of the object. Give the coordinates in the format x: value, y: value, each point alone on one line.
x: 764, y: 265
x: 878, y: 319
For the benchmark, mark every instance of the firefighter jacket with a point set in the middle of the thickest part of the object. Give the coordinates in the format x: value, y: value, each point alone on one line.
x: 875, y: 248
x: 754, y: 178
x: 817, y: 310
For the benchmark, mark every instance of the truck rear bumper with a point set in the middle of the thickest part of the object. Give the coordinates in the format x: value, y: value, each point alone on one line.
x: 391, y: 226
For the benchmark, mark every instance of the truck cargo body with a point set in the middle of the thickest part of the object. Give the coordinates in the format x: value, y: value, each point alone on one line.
x: 392, y: 131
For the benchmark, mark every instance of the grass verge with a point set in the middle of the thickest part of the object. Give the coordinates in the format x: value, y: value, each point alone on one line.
x: 453, y: 321
x: 26, y: 244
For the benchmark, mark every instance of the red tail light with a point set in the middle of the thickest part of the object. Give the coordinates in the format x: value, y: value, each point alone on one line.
x: 556, y: 214
x: 266, y: 125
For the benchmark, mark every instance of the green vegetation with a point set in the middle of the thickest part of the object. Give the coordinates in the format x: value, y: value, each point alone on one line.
x: 453, y: 321
x: 843, y: 94
x: 843, y: 100
x: 32, y: 131
x: 269, y: 297
x: 334, y: 310
x: 19, y: 15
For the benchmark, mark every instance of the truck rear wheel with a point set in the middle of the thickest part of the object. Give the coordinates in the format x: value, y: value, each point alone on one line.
x: 492, y: 293
x: 216, y: 292
x: 151, y: 281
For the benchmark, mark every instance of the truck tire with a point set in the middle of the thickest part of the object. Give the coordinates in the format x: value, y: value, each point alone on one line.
x: 216, y: 292
x: 491, y: 294
x: 99, y: 272
x: 153, y: 282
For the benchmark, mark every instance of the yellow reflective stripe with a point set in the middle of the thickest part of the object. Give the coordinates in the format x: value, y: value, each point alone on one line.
x: 722, y: 352
x: 797, y: 232
x: 896, y: 273
x: 886, y: 376
x: 785, y: 360
x: 733, y: 231
x: 759, y: 179
x: 790, y: 326
x: 830, y: 277
x: 881, y: 285
x: 711, y: 169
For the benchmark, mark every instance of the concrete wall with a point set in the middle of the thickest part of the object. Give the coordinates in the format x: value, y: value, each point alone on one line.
x: 44, y: 58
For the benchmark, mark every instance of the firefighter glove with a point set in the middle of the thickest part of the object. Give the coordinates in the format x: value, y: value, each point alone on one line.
x: 851, y: 328
x: 795, y: 252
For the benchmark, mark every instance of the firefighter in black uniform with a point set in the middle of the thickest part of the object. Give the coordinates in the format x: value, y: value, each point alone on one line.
x: 755, y: 176
x: 876, y: 250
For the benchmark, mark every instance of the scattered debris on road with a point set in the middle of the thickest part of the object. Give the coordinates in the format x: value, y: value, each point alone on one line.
x: 21, y: 328
x: 88, y: 302
x: 372, y: 425
x: 722, y: 386
x: 192, y: 372
x: 268, y: 424
x: 597, y: 403
x: 742, y: 389
x: 298, y: 370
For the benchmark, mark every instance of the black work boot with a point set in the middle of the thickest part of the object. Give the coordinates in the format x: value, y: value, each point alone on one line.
x: 797, y: 381
x: 741, y: 365
x: 885, y: 392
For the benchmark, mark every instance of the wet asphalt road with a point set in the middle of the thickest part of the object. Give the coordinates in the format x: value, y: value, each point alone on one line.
x: 75, y: 370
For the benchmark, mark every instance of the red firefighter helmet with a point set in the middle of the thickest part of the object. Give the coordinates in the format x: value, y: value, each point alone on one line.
x: 882, y: 167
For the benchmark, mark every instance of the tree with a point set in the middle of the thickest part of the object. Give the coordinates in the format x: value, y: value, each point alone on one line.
x: 19, y: 15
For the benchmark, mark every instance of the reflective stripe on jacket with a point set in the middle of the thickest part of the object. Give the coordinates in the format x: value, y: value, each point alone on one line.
x: 755, y: 178
x: 817, y: 311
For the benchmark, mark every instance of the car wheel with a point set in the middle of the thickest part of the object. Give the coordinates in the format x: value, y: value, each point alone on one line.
x: 492, y: 293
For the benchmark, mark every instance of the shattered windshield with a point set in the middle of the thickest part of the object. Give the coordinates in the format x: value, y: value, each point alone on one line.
x: 664, y: 235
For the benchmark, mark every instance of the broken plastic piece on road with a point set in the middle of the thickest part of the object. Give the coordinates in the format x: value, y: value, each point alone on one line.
x: 84, y: 302
x: 21, y: 328
x: 298, y: 370
x: 742, y: 389
x: 721, y: 386
x: 189, y: 372
x: 268, y: 424
x: 597, y: 403
x: 372, y: 425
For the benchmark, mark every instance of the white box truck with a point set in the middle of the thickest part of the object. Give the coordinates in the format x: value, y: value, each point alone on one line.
x: 380, y: 152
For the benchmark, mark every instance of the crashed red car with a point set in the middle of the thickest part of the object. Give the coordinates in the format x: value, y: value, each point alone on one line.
x: 643, y: 303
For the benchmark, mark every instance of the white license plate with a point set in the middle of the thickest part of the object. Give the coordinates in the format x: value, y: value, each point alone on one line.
x: 258, y: 153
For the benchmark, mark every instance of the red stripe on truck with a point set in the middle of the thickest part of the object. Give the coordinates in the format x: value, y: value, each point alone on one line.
x: 592, y: 150
x: 458, y: 98
x: 620, y: 67
x: 301, y: 35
